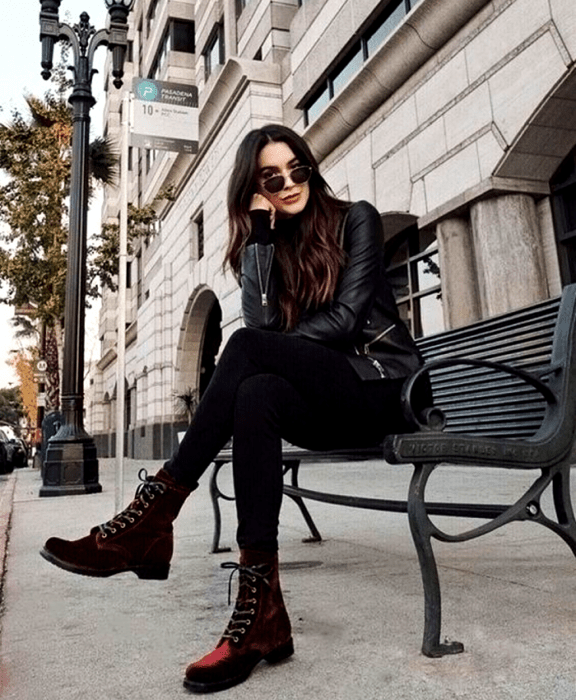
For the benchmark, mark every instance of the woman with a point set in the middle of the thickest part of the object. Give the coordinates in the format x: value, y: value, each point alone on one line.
x: 320, y: 364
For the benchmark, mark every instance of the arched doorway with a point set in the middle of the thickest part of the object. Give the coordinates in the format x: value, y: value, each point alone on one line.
x: 200, y: 338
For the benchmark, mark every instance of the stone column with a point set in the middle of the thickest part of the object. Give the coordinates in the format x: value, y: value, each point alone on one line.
x: 460, y: 298
x: 509, y: 257
x: 549, y: 247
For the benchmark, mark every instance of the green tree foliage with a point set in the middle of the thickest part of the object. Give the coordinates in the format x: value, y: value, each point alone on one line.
x: 34, y: 155
x: 104, y: 250
x: 11, y: 407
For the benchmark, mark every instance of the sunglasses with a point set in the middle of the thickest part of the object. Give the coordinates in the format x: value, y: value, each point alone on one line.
x: 299, y: 175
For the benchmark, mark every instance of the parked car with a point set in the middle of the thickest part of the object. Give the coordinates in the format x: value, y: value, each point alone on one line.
x: 18, y: 453
x: 6, y: 465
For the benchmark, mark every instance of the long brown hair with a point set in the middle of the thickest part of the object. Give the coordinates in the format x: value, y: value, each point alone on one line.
x: 311, y: 259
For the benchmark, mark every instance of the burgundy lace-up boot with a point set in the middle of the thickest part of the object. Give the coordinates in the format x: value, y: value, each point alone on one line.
x: 138, y: 539
x: 258, y: 629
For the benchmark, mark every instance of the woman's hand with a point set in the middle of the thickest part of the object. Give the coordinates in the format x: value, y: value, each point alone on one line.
x: 259, y: 201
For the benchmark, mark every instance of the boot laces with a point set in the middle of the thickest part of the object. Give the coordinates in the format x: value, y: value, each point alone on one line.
x: 245, y: 608
x: 145, y: 494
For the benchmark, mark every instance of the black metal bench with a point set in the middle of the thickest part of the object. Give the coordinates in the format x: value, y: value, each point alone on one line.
x: 505, y: 396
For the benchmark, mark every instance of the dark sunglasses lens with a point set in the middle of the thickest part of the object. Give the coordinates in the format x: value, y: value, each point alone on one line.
x: 274, y: 184
x: 300, y: 175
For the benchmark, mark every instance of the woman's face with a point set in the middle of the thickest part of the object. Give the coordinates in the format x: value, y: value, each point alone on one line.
x: 277, y: 158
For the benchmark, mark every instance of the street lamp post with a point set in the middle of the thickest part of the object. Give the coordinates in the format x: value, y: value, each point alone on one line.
x: 71, y: 464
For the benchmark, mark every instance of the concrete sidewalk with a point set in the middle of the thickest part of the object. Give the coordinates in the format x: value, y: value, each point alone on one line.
x: 355, y: 601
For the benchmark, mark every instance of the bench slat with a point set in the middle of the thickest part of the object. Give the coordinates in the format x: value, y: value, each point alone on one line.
x: 485, y: 402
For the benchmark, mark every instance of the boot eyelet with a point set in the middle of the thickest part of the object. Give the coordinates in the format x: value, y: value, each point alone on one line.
x: 146, y: 505
x: 252, y: 589
x: 132, y: 520
x: 236, y: 639
x: 113, y: 530
x: 139, y: 512
x: 122, y: 525
x: 248, y: 622
x: 104, y: 535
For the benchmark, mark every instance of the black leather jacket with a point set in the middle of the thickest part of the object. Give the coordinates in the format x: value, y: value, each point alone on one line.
x: 362, y: 320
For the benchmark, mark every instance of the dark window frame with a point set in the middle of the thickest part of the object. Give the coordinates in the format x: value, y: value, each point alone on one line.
x: 318, y: 101
x: 216, y: 40
x: 563, y: 203
x: 169, y: 43
x: 405, y: 252
x: 199, y: 224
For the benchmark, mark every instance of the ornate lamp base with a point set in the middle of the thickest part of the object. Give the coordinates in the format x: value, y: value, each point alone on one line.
x: 70, y: 468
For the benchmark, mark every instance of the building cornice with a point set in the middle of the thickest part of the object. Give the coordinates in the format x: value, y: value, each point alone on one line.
x: 488, y: 188
x: 217, y: 101
x: 428, y: 27
x: 107, y: 359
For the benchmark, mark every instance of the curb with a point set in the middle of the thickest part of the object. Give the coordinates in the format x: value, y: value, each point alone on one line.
x: 6, y: 508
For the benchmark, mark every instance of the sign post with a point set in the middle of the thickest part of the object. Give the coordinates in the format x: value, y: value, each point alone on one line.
x: 164, y: 118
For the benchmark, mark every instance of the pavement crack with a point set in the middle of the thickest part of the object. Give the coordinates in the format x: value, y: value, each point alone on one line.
x: 490, y: 577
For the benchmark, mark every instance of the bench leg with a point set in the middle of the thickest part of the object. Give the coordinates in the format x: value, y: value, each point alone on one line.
x: 215, y: 495
x: 422, y: 531
x: 563, y: 506
x: 293, y: 466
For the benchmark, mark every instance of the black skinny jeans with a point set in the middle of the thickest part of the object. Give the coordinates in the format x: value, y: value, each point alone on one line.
x: 269, y: 386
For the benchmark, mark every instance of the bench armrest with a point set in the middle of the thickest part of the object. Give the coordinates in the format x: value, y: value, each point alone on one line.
x: 433, y: 418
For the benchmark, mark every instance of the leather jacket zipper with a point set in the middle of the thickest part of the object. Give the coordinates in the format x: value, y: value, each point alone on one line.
x: 263, y: 284
x: 377, y: 366
x: 377, y: 338
x: 381, y: 371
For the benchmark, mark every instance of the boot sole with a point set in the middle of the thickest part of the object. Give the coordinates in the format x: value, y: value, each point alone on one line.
x: 158, y: 572
x: 279, y: 654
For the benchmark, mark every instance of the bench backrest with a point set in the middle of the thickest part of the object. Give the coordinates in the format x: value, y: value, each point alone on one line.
x: 488, y: 403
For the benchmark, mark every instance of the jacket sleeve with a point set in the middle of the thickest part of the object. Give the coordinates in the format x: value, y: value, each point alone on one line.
x: 343, y: 319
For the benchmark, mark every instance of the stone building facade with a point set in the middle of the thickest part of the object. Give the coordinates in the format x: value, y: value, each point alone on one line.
x: 458, y: 115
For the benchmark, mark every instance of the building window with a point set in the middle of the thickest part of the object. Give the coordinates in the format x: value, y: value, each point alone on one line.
x: 563, y: 189
x: 161, y: 57
x: 361, y: 51
x: 139, y: 272
x: 140, y: 49
x: 214, y: 52
x: 127, y: 408
x: 151, y: 155
x: 197, y: 233
x: 178, y: 36
x: 150, y: 20
x: 414, y: 272
x: 182, y: 35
